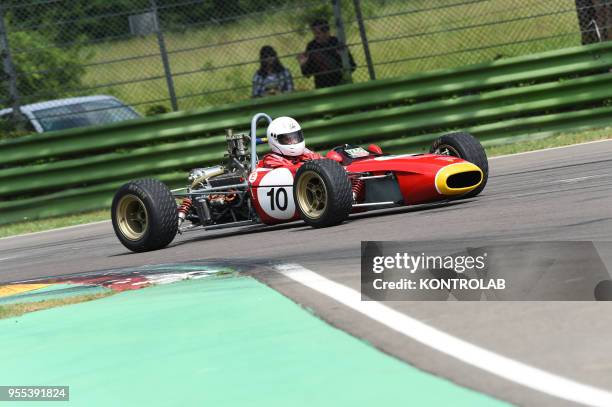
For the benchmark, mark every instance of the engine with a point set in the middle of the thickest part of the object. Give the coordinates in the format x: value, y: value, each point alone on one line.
x: 219, y: 194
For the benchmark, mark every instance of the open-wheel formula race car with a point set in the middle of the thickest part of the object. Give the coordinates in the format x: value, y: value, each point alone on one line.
x: 146, y: 215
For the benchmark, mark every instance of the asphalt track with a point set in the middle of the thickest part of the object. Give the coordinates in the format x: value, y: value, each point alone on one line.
x: 560, y: 194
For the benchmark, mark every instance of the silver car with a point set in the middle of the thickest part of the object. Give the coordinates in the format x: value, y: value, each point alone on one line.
x: 69, y: 113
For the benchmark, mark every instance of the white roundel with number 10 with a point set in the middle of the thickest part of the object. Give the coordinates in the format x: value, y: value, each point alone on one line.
x: 275, y: 194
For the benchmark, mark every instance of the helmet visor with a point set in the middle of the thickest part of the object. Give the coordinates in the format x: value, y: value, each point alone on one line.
x: 290, y: 138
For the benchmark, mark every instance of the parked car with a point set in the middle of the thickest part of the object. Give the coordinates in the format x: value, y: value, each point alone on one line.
x: 69, y: 113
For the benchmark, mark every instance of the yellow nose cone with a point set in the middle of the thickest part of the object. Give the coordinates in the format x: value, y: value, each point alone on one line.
x: 458, y: 178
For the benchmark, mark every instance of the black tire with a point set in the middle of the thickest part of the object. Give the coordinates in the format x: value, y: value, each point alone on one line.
x: 467, y: 147
x: 144, y: 215
x: 337, y: 201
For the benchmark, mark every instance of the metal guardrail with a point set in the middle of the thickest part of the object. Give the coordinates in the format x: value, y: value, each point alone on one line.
x: 496, y: 101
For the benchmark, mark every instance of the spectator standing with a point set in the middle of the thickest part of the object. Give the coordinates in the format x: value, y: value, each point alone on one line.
x: 272, y: 77
x: 595, y: 20
x: 322, y: 57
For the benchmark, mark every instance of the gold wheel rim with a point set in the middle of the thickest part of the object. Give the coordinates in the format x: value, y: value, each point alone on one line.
x: 312, y: 194
x: 132, y: 217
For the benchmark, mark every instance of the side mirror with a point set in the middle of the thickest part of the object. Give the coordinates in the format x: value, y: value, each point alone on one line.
x: 374, y: 149
x: 334, y: 155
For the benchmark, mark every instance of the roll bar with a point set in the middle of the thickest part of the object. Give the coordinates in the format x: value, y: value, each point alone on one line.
x: 254, y: 137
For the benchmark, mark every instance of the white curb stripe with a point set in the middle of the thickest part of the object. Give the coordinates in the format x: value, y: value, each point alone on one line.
x: 489, y: 361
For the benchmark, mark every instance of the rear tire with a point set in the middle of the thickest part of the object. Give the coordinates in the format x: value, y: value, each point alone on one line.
x: 144, y: 215
x: 322, y: 192
x: 467, y: 147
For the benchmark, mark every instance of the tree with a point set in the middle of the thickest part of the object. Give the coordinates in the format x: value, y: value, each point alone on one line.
x: 43, y: 71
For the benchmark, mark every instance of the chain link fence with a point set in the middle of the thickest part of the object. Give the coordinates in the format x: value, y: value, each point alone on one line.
x: 119, y: 59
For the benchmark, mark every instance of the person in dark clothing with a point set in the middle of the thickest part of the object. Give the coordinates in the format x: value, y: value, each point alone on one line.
x: 595, y: 20
x: 323, y: 57
x: 272, y: 77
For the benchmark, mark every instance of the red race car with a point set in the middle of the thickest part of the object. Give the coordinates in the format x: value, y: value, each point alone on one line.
x: 323, y: 192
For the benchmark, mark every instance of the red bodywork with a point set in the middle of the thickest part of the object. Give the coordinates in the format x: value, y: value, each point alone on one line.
x: 272, y: 188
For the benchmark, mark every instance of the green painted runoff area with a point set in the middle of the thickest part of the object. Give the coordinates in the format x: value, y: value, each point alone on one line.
x: 218, y: 341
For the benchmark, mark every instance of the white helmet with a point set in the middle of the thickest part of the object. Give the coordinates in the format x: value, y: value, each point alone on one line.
x: 285, y: 137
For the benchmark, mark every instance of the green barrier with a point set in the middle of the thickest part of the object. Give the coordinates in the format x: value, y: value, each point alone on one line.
x: 513, y: 130
x: 439, y: 84
x: 71, y: 201
x: 133, y: 163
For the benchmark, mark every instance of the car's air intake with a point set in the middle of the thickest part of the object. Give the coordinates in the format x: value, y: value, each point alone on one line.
x: 458, y: 178
x: 464, y: 179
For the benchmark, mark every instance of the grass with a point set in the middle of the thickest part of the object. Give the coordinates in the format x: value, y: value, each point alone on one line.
x: 15, y: 310
x: 556, y: 140
x: 53, y: 223
x: 406, y: 41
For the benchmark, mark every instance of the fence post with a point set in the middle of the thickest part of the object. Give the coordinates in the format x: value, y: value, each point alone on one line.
x: 9, y: 73
x: 364, y: 39
x: 164, y: 56
x: 339, y: 22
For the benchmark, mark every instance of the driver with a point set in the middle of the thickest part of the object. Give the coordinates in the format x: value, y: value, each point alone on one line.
x: 286, y: 141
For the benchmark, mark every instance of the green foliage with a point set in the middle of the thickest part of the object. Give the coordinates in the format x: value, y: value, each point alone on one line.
x: 94, y: 19
x: 69, y: 20
x: 42, y: 69
x: 44, y: 72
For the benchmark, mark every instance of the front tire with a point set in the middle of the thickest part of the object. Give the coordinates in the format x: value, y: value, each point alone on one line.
x: 144, y: 215
x: 467, y: 147
x: 322, y: 193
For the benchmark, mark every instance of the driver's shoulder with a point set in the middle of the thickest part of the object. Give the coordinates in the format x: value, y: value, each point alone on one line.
x: 273, y: 160
x: 311, y: 155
